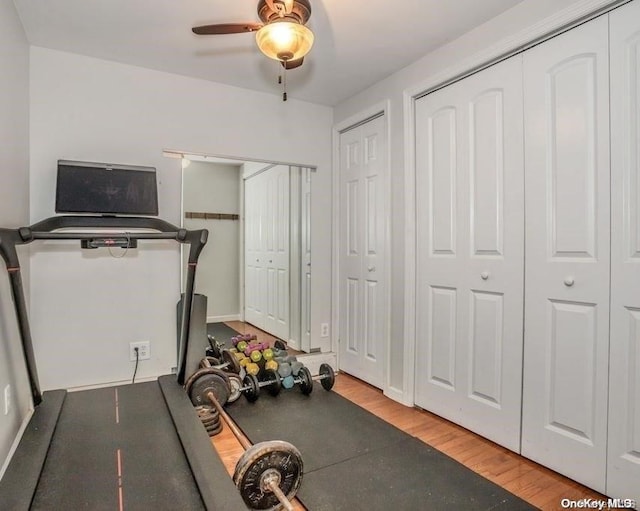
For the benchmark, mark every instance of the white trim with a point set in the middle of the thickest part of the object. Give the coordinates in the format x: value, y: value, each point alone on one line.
x: 16, y: 442
x: 382, y: 108
x: 220, y: 319
x: 545, y: 29
x: 410, y: 255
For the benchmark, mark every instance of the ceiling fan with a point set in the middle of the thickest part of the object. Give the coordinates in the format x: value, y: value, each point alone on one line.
x: 282, y: 35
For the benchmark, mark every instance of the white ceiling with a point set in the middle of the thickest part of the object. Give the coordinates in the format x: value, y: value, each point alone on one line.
x: 358, y: 42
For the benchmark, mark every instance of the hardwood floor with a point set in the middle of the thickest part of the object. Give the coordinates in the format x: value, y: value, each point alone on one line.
x: 537, y: 485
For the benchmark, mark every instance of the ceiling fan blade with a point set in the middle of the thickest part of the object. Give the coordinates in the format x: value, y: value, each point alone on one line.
x: 292, y: 64
x: 226, y: 28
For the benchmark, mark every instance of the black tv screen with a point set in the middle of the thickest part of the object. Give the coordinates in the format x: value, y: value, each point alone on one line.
x: 102, y: 188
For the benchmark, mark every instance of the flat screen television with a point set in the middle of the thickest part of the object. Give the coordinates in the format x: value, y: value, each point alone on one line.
x: 101, y: 188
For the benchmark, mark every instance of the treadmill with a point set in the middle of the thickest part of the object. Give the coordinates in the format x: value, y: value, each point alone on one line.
x: 134, y: 447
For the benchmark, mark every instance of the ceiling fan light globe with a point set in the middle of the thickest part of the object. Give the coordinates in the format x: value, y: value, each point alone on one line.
x: 284, y: 40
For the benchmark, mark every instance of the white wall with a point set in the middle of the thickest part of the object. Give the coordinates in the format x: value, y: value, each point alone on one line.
x: 87, y: 306
x: 215, y: 188
x: 14, y: 211
x: 466, y: 49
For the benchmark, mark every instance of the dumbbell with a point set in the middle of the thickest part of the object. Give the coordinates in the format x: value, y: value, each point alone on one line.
x: 251, y: 386
x: 268, y: 474
x: 326, y: 377
x: 230, y: 363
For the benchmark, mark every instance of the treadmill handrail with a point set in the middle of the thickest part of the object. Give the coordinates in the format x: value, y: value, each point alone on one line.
x: 10, y: 238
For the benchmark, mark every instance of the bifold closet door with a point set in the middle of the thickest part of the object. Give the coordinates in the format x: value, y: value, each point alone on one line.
x: 623, y: 470
x: 566, y: 355
x: 470, y: 252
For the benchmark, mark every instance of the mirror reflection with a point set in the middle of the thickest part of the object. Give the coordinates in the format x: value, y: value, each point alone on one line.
x: 256, y: 266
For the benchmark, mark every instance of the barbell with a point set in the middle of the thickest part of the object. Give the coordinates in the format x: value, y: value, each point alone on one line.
x: 268, y: 474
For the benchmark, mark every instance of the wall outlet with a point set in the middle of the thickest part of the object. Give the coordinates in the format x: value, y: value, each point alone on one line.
x: 144, y: 350
x: 7, y: 399
x: 324, y: 330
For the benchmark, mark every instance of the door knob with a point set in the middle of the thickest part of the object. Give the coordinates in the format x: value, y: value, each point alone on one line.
x: 484, y: 275
x: 270, y: 261
x: 569, y: 281
x: 371, y: 268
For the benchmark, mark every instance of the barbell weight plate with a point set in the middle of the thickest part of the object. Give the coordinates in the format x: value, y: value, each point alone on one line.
x: 230, y: 358
x: 206, y: 383
x: 213, y: 431
x: 306, y: 382
x: 253, y: 387
x: 273, y: 378
x: 200, y: 372
x: 209, y: 361
x: 263, y: 460
x: 329, y: 376
x: 234, y: 385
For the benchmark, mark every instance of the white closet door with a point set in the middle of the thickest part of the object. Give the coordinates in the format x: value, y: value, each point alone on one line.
x: 267, y: 250
x: 275, y: 246
x: 566, y: 100
x: 363, y: 288
x: 255, y: 282
x: 470, y: 218
x: 623, y: 474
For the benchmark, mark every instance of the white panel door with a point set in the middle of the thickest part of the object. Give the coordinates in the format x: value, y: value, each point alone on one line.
x: 275, y: 239
x: 254, y: 272
x: 470, y: 251
x: 267, y: 251
x: 623, y: 473
x: 363, y: 288
x: 566, y: 99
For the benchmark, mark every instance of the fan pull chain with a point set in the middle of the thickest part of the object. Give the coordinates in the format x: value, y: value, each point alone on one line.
x: 284, y: 83
x: 282, y: 80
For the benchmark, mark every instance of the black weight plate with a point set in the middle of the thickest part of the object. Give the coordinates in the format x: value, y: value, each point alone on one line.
x: 234, y: 385
x: 215, y: 346
x: 273, y: 379
x: 206, y: 383
x: 206, y: 370
x: 206, y: 413
x: 209, y: 361
x: 207, y: 421
x: 260, y: 459
x: 230, y: 359
x: 252, y: 392
x: 306, y: 382
x: 216, y: 430
x: 329, y: 376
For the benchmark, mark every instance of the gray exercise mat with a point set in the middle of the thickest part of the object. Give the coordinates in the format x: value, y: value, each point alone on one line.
x: 355, y: 460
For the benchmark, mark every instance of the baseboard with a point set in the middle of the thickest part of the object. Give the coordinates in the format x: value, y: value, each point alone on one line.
x: 312, y: 361
x: 16, y: 442
x: 221, y: 319
x: 112, y: 384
